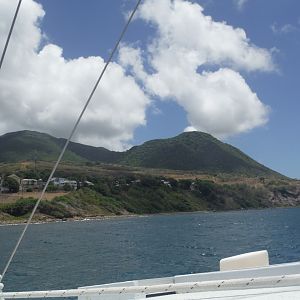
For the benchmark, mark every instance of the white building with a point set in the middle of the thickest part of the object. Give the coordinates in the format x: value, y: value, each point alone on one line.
x: 61, y: 182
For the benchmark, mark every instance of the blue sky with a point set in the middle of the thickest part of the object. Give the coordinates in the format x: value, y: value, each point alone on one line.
x: 89, y: 28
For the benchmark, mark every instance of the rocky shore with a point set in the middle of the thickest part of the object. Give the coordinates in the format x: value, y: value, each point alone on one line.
x: 146, y: 198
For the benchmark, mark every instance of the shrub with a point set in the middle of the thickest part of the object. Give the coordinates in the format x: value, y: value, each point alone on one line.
x: 51, y: 188
x: 21, y: 207
x: 68, y: 188
x: 11, y: 184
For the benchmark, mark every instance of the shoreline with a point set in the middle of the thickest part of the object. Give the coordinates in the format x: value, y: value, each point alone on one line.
x: 109, y: 217
x: 76, y: 219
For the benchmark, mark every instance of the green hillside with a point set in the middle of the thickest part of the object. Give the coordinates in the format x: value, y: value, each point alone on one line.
x: 188, y: 151
x: 144, y: 194
x: 95, y: 154
x: 194, y: 151
x: 31, y: 145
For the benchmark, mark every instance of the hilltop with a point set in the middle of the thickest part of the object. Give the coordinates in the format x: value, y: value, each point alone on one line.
x: 31, y: 145
x: 194, y: 151
x: 190, y: 151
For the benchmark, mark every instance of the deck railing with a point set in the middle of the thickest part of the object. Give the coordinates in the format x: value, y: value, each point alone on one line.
x: 185, y: 287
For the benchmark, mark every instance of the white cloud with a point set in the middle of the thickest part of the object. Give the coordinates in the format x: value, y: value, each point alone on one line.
x: 182, y: 54
x: 240, y: 4
x: 41, y: 90
x: 190, y: 129
x: 284, y: 29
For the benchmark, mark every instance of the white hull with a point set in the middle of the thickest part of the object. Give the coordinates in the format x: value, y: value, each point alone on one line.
x: 269, y: 282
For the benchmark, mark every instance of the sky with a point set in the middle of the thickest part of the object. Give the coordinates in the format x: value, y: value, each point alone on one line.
x: 226, y: 67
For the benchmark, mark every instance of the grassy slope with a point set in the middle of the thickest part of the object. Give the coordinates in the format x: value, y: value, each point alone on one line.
x: 91, y: 153
x: 142, y: 199
x: 188, y: 151
x: 133, y: 193
x: 229, y: 191
x: 28, y: 145
x: 194, y: 151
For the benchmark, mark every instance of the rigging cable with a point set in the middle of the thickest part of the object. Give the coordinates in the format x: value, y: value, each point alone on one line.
x: 10, y: 32
x: 68, y: 140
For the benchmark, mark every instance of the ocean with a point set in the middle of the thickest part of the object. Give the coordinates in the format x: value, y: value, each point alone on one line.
x: 72, y: 254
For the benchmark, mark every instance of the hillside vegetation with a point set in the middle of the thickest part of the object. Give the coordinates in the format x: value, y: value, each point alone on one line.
x: 144, y: 194
x: 190, y: 172
x: 144, y: 198
x: 194, y: 151
x: 190, y: 151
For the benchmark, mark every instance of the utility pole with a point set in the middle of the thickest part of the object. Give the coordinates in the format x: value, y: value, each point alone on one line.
x: 1, y: 182
x: 35, y: 158
x: 0, y: 185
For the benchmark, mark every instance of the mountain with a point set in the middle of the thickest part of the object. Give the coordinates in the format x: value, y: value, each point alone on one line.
x: 32, y: 145
x: 188, y: 151
x: 194, y: 151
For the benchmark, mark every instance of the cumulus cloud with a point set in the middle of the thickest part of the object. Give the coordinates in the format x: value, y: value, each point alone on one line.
x: 41, y: 90
x: 188, y: 45
x: 191, y: 59
x: 240, y: 4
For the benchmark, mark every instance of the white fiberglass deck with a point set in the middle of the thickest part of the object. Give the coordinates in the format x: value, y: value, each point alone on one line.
x: 281, y: 281
x: 291, y: 293
x: 270, y: 282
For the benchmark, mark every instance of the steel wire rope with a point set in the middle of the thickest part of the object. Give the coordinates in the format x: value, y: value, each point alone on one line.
x: 10, y: 32
x: 68, y: 140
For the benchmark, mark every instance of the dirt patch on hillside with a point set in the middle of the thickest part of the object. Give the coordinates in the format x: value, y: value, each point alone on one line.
x: 11, y: 198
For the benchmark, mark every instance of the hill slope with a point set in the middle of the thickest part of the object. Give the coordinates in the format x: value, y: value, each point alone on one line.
x: 187, y: 151
x: 194, y: 151
x: 31, y: 145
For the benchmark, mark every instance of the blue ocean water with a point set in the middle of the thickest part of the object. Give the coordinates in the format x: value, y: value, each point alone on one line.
x: 73, y: 254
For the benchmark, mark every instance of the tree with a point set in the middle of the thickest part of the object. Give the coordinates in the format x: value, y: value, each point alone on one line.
x: 12, y: 185
x: 51, y: 187
x: 68, y: 187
